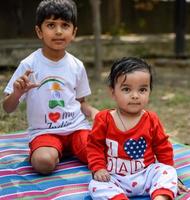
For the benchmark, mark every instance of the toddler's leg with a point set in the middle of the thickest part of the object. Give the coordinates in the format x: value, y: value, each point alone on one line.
x: 79, y: 143
x: 106, y: 190
x: 164, y: 182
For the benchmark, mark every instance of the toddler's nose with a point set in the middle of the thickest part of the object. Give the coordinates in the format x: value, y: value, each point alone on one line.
x: 135, y: 95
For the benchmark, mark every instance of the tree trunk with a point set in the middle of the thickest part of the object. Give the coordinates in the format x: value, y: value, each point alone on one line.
x: 95, y: 4
x: 114, y: 13
x: 180, y: 25
x: 18, y: 13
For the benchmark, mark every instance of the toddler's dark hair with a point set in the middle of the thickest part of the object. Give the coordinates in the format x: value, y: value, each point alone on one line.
x: 64, y: 9
x: 126, y: 65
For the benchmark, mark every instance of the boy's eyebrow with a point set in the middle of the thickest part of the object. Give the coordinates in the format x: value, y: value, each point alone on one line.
x: 53, y: 20
x: 49, y: 20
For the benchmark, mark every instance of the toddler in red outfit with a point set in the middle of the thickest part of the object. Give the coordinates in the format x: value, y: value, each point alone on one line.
x: 128, y: 152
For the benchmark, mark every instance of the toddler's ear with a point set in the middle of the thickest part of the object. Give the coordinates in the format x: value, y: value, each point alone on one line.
x: 111, y: 92
x: 38, y: 32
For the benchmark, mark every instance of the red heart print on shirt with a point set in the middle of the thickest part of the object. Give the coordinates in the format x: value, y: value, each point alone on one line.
x: 134, y: 184
x: 54, y: 116
x: 165, y: 172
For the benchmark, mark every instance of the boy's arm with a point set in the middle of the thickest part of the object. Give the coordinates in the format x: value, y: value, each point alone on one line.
x: 20, y: 86
x: 11, y: 102
x: 87, y: 109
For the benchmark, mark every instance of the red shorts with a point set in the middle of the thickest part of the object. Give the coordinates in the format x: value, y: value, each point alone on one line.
x: 74, y: 144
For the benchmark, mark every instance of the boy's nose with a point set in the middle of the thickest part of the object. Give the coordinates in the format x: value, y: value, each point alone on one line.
x: 59, y: 30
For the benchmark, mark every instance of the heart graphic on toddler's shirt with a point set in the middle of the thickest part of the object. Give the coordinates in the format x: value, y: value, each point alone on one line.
x: 135, y: 148
x: 54, y: 116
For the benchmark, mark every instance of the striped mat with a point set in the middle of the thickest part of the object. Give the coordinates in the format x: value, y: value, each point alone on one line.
x: 70, y: 179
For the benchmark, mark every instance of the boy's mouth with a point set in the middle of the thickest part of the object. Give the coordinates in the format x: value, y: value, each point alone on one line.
x: 58, y: 40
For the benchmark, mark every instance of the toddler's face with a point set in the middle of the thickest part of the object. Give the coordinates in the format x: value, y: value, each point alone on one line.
x: 131, y: 91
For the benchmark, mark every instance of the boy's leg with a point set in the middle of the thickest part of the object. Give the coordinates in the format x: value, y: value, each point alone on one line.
x: 79, y: 143
x: 45, y: 151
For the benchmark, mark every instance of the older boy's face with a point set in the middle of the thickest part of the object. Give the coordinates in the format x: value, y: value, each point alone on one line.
x: 56, y: 34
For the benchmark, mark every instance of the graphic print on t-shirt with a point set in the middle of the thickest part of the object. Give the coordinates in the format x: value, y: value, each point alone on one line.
x: 134, y: 149
x: 53, y: 90
x: 56, y: 89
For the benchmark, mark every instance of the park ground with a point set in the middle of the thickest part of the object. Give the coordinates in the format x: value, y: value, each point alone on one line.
x: 170, y: 98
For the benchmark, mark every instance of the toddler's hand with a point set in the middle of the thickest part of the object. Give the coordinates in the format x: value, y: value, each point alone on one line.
x: 182, y: 188
x: 23, y: 84
x: 102, y: 175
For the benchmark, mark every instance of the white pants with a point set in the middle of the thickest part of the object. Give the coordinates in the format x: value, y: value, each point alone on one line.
x: 154, y: 177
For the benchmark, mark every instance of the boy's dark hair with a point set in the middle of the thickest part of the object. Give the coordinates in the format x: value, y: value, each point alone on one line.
x: 126, y: 65
x: 64, y: 9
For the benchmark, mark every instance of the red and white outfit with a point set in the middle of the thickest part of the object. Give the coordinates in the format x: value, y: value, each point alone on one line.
x: 139, y: 160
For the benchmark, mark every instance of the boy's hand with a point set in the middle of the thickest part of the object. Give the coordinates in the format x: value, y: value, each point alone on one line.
x: 23, y: 84
x: 102, y: 175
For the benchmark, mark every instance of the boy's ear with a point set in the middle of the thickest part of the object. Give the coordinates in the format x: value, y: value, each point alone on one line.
x: 74, y: 32
x: 38, y: 32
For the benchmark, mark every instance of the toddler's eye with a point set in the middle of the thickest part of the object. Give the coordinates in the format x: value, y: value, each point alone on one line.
x: 142, y: 90
x: 126, y: 89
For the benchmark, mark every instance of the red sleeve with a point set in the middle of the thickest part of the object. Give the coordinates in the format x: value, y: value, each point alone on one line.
x: 96, y: 146
x: 161, y: 145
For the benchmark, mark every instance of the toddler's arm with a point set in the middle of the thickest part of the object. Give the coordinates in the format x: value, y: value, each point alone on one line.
x: 20, y: 86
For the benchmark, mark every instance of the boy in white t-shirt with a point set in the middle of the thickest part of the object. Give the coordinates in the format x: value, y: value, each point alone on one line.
x: 54, y: 84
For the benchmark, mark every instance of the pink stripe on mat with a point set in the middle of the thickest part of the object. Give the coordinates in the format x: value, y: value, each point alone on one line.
x: 13, y: 152
x: 14, y: 135
x: 184, y: 164
x: 182, y: 158
x: 69, y: 189
x: 186, y: 197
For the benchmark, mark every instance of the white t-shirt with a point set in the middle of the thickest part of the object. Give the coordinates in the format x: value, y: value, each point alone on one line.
x: 52, y: 107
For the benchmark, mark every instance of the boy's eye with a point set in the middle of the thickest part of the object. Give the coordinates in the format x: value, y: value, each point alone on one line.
x: 51, y: 25
x: 66, y: 25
